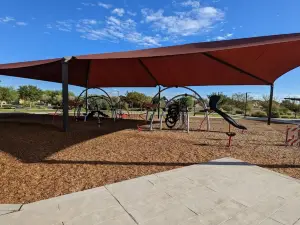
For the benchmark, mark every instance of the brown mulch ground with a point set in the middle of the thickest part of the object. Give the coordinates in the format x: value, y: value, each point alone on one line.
x: 38, y: 161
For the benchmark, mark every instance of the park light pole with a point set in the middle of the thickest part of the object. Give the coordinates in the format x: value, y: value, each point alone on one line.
x: 246, y: 103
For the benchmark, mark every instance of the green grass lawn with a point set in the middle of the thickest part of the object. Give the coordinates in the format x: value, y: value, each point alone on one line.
x: 32, y: 110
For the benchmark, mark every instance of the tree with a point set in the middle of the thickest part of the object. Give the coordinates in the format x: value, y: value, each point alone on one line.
x: 291, y: 105
x: 239, y: 100
x: 8, y: 94
x: 187, y: 101
x: 72, y: 96
x: 136, y: 99
x: 265, y: 106
x: 55, y: 97
x: 30, y: 93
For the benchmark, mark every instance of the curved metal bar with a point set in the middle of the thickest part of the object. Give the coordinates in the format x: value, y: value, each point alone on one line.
x: 199, y: 98
x: 188, y: 88
x: 181, y: 95
x: 76, y: 109
x: 160, y: 92
x: 107, y: 95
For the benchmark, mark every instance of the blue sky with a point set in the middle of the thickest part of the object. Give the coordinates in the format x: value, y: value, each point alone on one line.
x: 37, y: 29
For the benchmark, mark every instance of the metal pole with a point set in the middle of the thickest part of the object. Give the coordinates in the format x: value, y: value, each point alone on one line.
x: 270, y: 104
x: 65, y: 94
x: 87, y: 87
x: 246, y: 104
x: 158, y: 101
x: 86, y: 101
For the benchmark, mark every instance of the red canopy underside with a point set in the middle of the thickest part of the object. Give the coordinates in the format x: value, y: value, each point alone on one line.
x: 248, y: 61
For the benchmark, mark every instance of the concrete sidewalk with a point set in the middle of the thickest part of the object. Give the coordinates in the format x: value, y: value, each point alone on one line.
x: 224, y: 191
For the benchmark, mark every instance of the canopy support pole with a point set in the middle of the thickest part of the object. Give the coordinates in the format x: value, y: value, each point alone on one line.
x: 65, y: 94
x: 86, y: 88
x: 270, y: 104
x: 86, y: 101
x: 158, y: 101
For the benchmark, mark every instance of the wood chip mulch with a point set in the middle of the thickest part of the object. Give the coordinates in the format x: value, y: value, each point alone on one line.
x: 38, y: 161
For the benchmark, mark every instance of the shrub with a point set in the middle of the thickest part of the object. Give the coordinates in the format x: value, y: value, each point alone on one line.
x: 239, y: 111
x: 283, y: 111
x: 275, y: 114
x: 285, y: 116
x: 227, y: 108
x: 259, y: 114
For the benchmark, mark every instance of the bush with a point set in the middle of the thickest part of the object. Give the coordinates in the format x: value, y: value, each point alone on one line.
x: 285, y: 117
x: 275, y: 114
x: 227, y: 108
x: 238, y: 111
x: 259, y: 114
x: 283, y: 111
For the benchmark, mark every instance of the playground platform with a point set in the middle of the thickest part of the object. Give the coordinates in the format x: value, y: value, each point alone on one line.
x: 225, y: 191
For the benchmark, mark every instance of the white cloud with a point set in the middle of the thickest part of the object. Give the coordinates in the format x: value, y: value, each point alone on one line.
x: 88, y: 21
x: 21, y: 23
x: 191, y: 3
x: 131, y: 13
x: 65, y: 25
x: 184, y: 23
x: 116, y: 30
x: 79, y: 9
x: 158, y: 26
x: 6, y: 19
x: 106, y: 6
x: 225, y: 37
x: 118, y: 11
x: 88, y: 4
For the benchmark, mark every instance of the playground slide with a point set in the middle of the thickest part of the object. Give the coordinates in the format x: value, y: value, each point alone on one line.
x: 230, y: 120
x: 213, y: 101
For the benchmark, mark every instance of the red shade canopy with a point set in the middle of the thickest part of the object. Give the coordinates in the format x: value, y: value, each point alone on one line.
x: 248, y: 61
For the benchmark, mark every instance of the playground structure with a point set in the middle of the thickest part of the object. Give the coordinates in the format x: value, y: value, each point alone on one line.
x: 174, y: 113
x: 87, y: 107
x: 91, y: 106
x: 213, y: 101
x: 292, y: 137
x: 177, y: 111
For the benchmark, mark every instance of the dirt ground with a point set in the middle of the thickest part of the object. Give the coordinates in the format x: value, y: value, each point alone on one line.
x: 38, y: 161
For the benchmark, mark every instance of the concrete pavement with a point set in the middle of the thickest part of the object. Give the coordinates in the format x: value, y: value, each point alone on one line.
x: 224, y: 191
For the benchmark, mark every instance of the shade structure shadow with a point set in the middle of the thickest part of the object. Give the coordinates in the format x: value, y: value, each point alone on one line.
x: 121, y: 163
x: 32, y: 138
